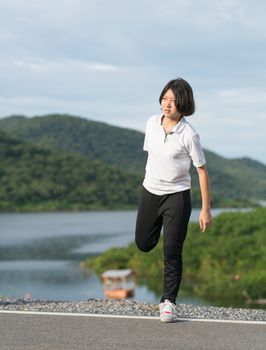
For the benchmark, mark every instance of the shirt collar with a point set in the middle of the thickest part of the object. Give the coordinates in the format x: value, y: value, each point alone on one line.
x: 179, y: 126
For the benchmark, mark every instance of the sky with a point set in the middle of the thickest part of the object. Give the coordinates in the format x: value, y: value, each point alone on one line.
x: 109, y: 60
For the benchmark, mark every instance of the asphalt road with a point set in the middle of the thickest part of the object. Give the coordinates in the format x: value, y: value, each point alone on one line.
x: 56, y: 332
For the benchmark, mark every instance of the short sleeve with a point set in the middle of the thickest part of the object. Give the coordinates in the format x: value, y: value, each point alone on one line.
x: 145, y: 145
x: 196, y: 152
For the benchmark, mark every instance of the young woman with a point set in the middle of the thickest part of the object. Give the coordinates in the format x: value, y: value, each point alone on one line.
x: 172, y: 143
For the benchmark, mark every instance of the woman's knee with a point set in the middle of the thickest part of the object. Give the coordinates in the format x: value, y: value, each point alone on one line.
x: 143, y: 246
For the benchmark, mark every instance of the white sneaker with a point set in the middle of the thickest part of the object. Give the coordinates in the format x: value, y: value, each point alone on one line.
x: 167, y: 311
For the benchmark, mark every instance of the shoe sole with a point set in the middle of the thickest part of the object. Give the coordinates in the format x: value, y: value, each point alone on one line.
x: 167, y: 319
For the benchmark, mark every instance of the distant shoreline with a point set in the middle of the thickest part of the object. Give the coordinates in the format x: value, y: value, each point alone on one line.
x: 233, y: 208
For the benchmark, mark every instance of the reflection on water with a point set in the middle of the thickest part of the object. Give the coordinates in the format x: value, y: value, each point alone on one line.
x: 54, y: 280
x: 57, y: 248
x: 40, y: 253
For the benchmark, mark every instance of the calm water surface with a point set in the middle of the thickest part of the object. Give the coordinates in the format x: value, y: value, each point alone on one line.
x: 40, y: 253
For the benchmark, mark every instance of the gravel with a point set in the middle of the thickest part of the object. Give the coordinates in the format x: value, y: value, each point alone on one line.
x: 130, y: 308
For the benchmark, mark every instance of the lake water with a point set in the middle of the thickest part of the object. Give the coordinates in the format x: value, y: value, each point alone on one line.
x: 40, y: 253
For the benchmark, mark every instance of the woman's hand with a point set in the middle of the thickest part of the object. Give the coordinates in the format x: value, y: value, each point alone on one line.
x: 205, y: 219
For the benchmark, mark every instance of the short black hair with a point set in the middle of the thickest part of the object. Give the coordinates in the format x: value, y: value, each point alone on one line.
x: 184, y: 100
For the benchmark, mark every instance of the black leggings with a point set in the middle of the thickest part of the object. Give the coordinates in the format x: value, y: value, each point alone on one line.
x: 172, y: 211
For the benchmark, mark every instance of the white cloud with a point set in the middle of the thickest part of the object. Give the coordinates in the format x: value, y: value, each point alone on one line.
x: 232, y: 122
x: 243, y: 95
x: 42, y: 65
x: 109, y: 60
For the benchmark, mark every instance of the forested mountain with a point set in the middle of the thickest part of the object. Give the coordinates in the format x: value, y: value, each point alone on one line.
x: 82, y: 142
x: 237, y: 178
x: 100, y: 141
x: 35, y: 178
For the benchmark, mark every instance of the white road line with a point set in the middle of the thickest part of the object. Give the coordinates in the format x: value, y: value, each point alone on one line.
x: 125, y: 317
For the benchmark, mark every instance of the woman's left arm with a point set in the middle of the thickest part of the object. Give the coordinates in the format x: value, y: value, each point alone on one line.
x: 205, y: 218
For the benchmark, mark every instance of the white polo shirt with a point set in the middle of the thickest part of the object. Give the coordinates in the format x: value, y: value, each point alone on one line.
x: 170, y: 155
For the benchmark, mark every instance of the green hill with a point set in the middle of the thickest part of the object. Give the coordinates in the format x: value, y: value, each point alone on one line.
x: 35, y: 178
x: 232, y: 275
x: 99, y: 141
x: 237, y: 178
x: 232, y: 180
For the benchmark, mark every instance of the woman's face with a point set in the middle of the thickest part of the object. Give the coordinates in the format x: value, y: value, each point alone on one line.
x: 168, y: 105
